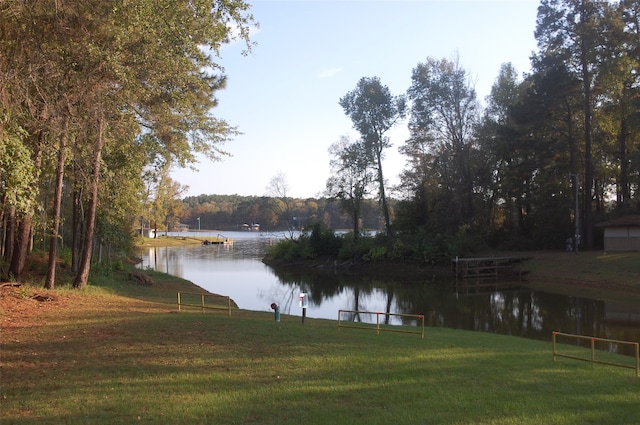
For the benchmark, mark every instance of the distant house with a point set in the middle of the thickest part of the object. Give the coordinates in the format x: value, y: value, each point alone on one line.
x: 254, y: 227
x: 181, y: 227
x: 622, y: 234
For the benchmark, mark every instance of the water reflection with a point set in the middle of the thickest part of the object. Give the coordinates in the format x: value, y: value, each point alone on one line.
x: 504, y: 308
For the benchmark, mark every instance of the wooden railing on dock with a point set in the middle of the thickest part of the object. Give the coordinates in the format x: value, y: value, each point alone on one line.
x: 485, y: 267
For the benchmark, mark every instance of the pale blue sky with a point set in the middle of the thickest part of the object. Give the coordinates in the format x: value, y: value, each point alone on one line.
x: 284, y: 96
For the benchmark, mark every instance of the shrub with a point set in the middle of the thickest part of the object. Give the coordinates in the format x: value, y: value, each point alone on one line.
x: 286, y: 250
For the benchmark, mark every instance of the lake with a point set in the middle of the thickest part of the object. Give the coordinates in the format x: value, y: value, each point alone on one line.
x: 509, y: 308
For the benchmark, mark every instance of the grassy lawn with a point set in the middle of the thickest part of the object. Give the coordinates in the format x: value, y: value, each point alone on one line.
x: 119, y: 353
x: 590, y: 273
x: 161, y: 240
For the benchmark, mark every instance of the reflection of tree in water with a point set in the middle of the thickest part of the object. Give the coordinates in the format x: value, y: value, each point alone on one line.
x: 321, y: 286
x: 502, y: 307
x: 285, y: 297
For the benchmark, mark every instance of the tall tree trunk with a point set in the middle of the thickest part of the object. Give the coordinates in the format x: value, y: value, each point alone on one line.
x: 8, y: 232
x: 21, y: 246
x: 383, y: 197
x: 588, y: 159
x: 76, y: 227
x: 575, y: 180
x: 624, y: 192
x: 49, y: 282
x: 355, y: 214
x: 87, y: 240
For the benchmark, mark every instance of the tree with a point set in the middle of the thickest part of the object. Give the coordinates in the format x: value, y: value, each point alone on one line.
x: 571, y: 31
x: 542, y: 155
x: 497, y: 144
x: 281, y: 203
x: 373, y: 112
x: 113, y: 73
x: 57, y: 205
x: 617, y: 113
x: 166, y: 202
x: 444, y: 112
x: 16, y: 169
x: 351, y: 176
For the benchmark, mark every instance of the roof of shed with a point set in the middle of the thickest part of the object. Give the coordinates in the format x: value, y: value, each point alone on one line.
x: 626, y: 221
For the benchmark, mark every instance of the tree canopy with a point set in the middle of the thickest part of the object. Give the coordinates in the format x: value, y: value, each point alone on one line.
x: 99, y: 90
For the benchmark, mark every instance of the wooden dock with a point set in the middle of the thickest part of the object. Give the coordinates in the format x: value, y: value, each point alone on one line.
x: 485, y: 267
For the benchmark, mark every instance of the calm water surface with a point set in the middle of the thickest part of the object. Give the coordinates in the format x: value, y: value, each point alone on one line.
x: 507, y: 308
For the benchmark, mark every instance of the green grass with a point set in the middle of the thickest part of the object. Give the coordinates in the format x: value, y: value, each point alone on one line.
x: 105, y: 357
x: 588, y: 273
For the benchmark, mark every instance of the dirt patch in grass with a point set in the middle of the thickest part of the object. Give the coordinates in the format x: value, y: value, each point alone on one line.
x: 26, y: 307
x: 22, y: 309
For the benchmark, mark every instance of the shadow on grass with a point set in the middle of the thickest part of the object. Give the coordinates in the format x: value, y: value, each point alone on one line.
x: 135, y: 366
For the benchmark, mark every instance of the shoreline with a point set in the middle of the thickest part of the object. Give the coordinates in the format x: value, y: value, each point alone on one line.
x: 590, y: 274
x: 587, y: 273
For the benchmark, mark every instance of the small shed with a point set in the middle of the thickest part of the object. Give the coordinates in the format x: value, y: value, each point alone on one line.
x: 622, y: 234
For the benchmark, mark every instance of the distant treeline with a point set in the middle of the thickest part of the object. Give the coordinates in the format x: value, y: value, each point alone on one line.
x: 230, y: 212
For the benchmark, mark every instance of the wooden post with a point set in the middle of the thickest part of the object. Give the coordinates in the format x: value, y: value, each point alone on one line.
x: 637, y: 360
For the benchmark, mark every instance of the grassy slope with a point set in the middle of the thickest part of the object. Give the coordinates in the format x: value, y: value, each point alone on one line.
x: 613, y: 275
x: 119, y: 353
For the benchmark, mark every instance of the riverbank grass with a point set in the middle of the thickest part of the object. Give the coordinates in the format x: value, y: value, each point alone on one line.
x: 103, y: 356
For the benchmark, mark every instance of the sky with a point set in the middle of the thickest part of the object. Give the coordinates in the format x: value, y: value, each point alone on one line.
x: 283, y: 97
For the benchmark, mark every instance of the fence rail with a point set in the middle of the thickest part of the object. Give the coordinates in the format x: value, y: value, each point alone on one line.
x: 377, y: 327
x: 202, y: 305
x: 592, y: 359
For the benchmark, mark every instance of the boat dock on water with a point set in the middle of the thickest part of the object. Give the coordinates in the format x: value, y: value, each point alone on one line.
x: 218, y: 240
x: 486, y: 267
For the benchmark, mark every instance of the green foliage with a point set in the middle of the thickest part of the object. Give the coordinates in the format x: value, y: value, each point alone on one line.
x: 123, y: 85
x: 373, y: 110
x: 375, y: 253
x: 285, y: 250
x: 65, y: 255
x: 16, y: 171
x: 25, y: 292
x: 317, y: 240
x: 353, y: 248
x: 322, y: 240
x: 464, y: 242
x: 115, y: 236
x: 419, y: 247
